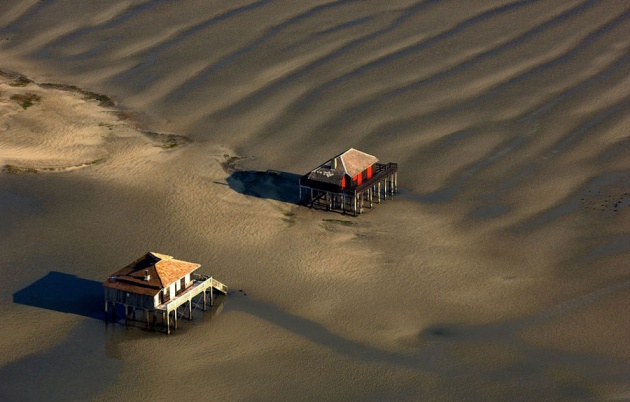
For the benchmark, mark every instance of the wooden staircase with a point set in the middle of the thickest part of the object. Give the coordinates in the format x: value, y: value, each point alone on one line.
x: 216, y: 285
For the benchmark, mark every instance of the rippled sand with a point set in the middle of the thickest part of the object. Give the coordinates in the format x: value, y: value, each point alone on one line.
x: 499, y: 273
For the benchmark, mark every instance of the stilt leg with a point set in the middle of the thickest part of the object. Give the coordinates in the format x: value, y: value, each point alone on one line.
x: 361, y: 196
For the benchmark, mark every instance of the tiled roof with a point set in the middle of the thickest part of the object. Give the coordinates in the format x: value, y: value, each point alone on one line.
x: 150, y: 274
x: 170, y: 270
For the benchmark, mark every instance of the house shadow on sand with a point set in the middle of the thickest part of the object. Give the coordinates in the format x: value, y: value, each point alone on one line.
x: 64, y: 293
x: 271, y: 184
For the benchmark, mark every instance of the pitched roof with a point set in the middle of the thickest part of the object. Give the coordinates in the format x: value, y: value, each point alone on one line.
x: 160, y: 270
x: 351, y: 163
x: 355, y: 161
x: 170, y: 270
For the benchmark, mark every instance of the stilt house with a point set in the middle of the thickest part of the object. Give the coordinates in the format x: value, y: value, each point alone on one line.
x: 158, y: 284
x: 348, y: 181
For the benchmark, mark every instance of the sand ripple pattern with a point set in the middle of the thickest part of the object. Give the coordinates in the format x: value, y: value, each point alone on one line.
x: 488, y: 87
x: 509, y: 119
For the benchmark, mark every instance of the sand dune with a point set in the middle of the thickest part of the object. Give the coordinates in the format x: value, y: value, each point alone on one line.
x: 499, y: 272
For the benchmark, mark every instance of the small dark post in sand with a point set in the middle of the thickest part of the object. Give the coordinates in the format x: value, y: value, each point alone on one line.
x: 158, y: 284
x: 347, y: 181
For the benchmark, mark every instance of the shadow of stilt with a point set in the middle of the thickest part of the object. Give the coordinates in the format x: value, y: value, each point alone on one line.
x: 272, y: 184
x: 64, y: 293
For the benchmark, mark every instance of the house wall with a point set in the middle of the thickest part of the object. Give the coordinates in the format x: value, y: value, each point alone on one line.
x: 128, y: 298
x: 178, y: 283
x: 143, y: 301
x: 363, y: 176
x: 171, y: 290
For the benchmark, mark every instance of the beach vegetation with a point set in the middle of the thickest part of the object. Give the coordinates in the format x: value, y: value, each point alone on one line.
x: 13, y: 169
x: 95, y: 161
x: 103, y: 100
x: 26, y: 100
x: 229, y: 164
x: 21, y: 81
x: 339, y: 222
x: 169, y: 143
x: 109, y: 126
x: 289, y: 217
x: 166, y: 141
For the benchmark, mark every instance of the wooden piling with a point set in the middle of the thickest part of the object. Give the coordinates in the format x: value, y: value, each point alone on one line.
x: 361, y: 199
x: 385, y: 189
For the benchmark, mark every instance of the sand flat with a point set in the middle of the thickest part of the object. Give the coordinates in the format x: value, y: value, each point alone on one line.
x: 499, y: 273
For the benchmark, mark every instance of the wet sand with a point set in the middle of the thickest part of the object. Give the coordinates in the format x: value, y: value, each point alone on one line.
x: 500, y: 272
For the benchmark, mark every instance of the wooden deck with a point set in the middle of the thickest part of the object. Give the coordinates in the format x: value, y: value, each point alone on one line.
x: 381, y: 173
x: 202, y: 285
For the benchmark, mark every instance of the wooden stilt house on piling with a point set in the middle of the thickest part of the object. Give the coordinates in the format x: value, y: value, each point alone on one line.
x: 159, y: 285
x: 348, y: 181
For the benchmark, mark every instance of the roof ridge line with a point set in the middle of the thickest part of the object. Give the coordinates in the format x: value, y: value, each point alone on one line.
x: 343, y: 163
x: 157, y: 273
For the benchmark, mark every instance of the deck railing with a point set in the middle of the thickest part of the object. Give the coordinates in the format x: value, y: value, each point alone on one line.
x: 382, y: 171
x: 200, y: 284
